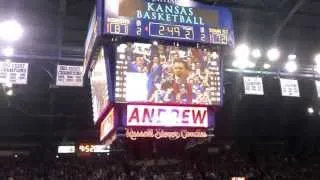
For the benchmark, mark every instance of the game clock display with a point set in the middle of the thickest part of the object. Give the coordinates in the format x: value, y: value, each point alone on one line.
x: 171, y: 31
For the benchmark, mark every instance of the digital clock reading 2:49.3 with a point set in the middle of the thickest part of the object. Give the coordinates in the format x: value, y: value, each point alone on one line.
x: 171, y: 31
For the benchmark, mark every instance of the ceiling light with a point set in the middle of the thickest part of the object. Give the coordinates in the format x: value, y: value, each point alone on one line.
x: 8, y: 51
x: 317, y: 58
x: 310, y: 110
x: 256, y: 53
x: 251, y: 64
x: 242, y: 51
x: 10, y: 31
x: 291, y: 66
x: 273, y: 54
x: 292, y: 57
x: 266, y: 66
x: 9, y: 92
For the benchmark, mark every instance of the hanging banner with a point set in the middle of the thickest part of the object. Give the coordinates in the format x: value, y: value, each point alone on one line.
x: 69, y: 75
x: 13, y: 73
x: 318, y: 88
x: 253, y: 85
x: 289, y: 87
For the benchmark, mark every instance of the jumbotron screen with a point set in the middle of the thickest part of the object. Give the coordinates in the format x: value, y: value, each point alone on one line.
x: 99, y: 87
x: 167, y: 74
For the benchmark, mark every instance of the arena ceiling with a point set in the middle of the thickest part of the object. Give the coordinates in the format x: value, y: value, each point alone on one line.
x: 55, y: 31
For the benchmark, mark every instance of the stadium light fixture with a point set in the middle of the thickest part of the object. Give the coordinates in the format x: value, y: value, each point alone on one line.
x: 242, y: 51
x: 256, y: 53
x: 273, y: 54
x: 292, y: 57
x: 310, y: 110
x: 8, y: 51
x: 317, y: 68
x: 251, y: 64
x: 317, y: 59
x: 9, y: 92
x: 291, y: 66
x: 266, y: 66
x: 10, y: 31
x: 241, y: 64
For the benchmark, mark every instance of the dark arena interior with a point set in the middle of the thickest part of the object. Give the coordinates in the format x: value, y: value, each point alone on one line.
x: 159, y: 89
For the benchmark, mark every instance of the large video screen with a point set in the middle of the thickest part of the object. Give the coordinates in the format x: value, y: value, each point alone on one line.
x: 99, y: 87
x: 167, y: 74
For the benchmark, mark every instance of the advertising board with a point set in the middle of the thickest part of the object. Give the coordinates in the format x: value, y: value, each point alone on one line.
x: 107, y: 125
x: 166, y: 116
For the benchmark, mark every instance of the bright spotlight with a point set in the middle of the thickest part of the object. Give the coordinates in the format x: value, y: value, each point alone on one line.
x: 292, y: 57
x: 9, y: 92
x: 10, y: 31
x: 273, y: 54
x: 242, y: 51
x: 266, y: 66
x: 317, y: 68
x: 291, y: 66
x: 317, y: 59
x: 310, y: 110
x: 251, y: 64
x: 8, y: 51
x: 241, y: 64
x: 256, y: 53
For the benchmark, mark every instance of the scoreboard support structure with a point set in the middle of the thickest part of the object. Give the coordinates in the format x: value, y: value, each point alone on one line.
x: 155, y: 67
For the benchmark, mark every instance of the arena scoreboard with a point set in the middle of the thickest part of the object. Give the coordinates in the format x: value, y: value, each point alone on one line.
x: 182, y: 20
x: 169, y: 20
x: 155, y: 67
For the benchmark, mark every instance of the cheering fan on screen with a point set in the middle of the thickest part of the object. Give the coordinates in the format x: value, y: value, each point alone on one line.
x: 138, y: 66
x: 182, y: 89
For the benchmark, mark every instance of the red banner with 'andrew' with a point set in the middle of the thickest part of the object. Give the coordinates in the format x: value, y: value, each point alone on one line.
x: 167, y: 116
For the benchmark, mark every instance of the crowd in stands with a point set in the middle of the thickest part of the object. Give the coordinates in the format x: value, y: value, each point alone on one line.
x: 221, y: 166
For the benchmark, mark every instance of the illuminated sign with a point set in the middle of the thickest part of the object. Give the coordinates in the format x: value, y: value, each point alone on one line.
x: 66, y: 149
x: 99, y: 86
x: 107, y: 125
x: 89, y: 148
x: 167, y: 116
x: 134, y: 134
x: 184, y: 20
x: 238, y: 178
x: 167, y: 74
